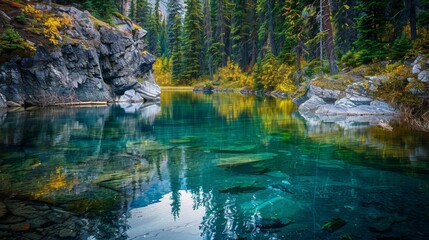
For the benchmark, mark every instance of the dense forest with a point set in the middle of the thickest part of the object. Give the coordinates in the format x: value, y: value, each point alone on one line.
x: 271, y: 43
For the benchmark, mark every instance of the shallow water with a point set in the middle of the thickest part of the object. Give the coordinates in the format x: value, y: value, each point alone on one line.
x: 221, y: 166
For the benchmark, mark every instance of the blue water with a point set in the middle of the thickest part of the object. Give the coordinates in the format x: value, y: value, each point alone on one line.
x: 220, y: 166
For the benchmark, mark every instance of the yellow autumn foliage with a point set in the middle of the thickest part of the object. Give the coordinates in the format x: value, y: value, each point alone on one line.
x: 233, y: 73
x: 52, y: 24
x: 271, y: 74
x: 162, y: 70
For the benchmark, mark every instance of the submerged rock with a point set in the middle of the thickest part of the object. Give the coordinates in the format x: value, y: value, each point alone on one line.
x: 67, y: 233
x: 278, y: 208
x: 244, y: 159
x: 241, y: 189
x: 264, y: 223
x: 282, y: 187
x: 3, y: 210
x: 333, y: 225
x: 235, y: 149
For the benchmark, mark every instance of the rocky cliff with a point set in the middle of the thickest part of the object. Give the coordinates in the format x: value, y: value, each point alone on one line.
x: 93, y: 62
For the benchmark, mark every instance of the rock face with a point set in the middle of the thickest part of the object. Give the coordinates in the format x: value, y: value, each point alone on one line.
x: 96, y: 62
x: 2, y: 101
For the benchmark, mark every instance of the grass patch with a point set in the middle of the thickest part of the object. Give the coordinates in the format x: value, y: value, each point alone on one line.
x: 338, y: 83
x: 98, y: 23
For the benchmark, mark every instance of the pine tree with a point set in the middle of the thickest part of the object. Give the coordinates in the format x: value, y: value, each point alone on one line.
x: 371, y: 26
x: 193, y: 42
x: 174, y: 9
x: 163, y: 39
x: 154, y: 28
x: 240, y: 30
x: 176, y: 51
x: 208, y: 39
x: 218, y: 48
x: 143, y: 13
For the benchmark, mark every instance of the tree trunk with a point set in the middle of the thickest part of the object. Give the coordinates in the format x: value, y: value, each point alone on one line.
x: 253, y: 34
x: 208, y: 32
x: 221, y: 30
x: 413, y: 21
x: 271, y: 27
x: 329, y: 39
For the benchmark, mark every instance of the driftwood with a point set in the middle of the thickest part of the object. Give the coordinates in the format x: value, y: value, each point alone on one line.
x: 82, y: 104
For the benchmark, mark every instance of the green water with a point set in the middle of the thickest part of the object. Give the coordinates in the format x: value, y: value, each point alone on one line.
x: 221, y: 166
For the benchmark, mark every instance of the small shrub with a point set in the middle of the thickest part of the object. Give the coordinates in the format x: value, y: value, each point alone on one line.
x: 233, y: 73
x: 400, y: 47
x: 21, y: 18
x: 12, y: 43
x: 271, y: 73
x: 351, y: 59
x: 162, y: 70
x: 421, y: 44
x: 11, y: 40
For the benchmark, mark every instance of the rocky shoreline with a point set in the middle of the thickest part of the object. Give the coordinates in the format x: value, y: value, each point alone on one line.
x: 95, y: 63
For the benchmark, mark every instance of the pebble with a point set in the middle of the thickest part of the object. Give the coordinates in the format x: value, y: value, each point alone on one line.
x: 3, y: 209
x: 65, y: 233
x: 33, y: 236
x: 20, y: 227
x: 12, y: 219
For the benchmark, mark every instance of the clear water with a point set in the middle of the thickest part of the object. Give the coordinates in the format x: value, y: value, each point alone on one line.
x: 221, y: 166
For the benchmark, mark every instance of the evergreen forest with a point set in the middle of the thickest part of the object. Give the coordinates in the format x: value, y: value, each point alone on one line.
x: 269, y: 44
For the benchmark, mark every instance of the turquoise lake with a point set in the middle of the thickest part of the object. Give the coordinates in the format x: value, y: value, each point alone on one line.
x: 219, y: 166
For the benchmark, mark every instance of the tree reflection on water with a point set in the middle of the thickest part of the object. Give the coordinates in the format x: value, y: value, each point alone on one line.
x: 134, y: 171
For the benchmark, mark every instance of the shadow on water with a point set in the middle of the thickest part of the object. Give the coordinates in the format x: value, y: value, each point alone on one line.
x: 219, y: 166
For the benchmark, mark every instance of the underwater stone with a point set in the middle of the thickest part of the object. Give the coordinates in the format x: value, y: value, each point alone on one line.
x: 382, y: 225
x: 241, y: 189
x: 3, y: 209
x: 277, y: 174
x: 67, y: 233
x: 19, y: 227
x: 334, y: 224
x: 282, y: 187
x: 264, y: 223
x: 11, y: 220
x: 244, y: 159
x: 235, y: 149
x: 278, y: 208
x: 32, y: 236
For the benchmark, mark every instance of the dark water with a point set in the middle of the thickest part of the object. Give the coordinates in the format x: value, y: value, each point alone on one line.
x: 208, y: 167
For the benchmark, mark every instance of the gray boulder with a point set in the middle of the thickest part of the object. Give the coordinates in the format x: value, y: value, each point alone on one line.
x: 331, y: 109
x: 383, y: 107
x: 358, y: 94
x: 325, y: 94
x: 424, y: 76
x: 417, y: 68
x: 311, y: 104
x: 345, y: 103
